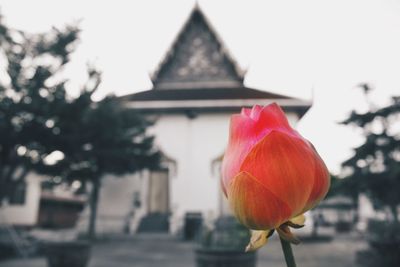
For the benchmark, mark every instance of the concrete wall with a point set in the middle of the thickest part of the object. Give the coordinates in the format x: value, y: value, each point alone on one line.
x: 27, y: 213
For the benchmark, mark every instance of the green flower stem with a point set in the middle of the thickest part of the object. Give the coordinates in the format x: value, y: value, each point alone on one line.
x: 288, y: 253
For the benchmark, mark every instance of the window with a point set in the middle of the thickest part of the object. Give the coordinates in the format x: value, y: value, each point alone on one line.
x: 17, y: 193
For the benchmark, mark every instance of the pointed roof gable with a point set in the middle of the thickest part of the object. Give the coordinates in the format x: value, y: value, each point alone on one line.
x: 197, y: 59
x: 198, y: 75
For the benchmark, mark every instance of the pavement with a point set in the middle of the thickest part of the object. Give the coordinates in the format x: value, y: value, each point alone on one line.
x: 154, y: 250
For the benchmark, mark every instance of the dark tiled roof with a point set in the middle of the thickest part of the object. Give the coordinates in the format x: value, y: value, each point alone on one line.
x: 194, y: 101
x: 202, y: 94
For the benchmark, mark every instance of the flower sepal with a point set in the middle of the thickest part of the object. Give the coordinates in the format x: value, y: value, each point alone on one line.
x: 285, y: 233
x: 259, y: 238
x: 297, y: 222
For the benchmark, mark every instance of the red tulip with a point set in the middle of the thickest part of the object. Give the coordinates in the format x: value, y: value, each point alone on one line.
x: 271, y: 175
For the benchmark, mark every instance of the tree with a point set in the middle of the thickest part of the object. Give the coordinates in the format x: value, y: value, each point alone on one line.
x: 39, y: 119
x: 102, y: 138
x: 375, y: 170
x: 375, y: 165
x: 30, y: 97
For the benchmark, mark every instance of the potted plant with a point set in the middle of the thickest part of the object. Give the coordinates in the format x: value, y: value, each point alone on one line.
x: 60, y: 207
x: 225, y: 245
x: 68, y: 253
x: 384, y: 244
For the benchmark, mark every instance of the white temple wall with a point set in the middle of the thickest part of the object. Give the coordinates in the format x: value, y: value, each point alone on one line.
x: 195, y: 144
x: 116, y: 212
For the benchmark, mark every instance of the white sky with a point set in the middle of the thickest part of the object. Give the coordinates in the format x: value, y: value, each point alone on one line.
x: 289, y: 47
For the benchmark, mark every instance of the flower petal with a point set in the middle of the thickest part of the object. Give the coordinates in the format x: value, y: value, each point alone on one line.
x: 254, y: 205
x: 240, y: 143
x: 258, y: 239
x: 321, y: 182
x: 255, y: 112
x: 285, y: 166
x: 246, y: 112
x: 272, y: 117
x: 246, y: 130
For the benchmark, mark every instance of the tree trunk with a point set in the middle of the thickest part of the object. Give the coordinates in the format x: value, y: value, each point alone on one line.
x: 314, y: 232
x: 2, y: 190
x: 315, y: 224
x: 94, y: 198
x: 356, y: 207
x: 4, y: 183
x: 395, y: 214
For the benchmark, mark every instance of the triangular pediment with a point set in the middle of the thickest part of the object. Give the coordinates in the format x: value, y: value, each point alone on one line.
x: 197, y: 59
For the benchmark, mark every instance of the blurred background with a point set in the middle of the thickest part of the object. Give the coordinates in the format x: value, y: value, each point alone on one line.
x: 114, y: 117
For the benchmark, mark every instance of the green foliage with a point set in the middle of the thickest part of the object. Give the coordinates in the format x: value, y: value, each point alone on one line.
x: 30, y: 97
x: 384, y: 244
x: 101, y: 137
x: 228, y: 234
x: 348, y: 187
x: 375, y: 165
x: 38, y: 118
x: 375, y: 170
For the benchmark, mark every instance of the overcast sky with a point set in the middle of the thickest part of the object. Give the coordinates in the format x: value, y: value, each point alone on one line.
x: 309, y: 49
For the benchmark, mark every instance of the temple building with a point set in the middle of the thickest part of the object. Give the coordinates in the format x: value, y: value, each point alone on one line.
x: 196, y: 88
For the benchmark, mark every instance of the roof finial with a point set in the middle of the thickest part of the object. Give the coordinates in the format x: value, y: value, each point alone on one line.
x: 196, y: 5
